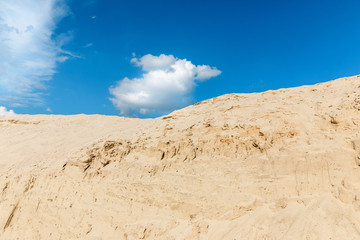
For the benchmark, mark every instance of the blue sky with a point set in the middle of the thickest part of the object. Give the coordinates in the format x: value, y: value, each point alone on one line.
x: 147, y: 58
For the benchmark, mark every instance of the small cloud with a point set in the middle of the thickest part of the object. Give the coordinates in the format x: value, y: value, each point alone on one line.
x: 71, y: 54
x: 88, y: 45
x: 62, y: 59
x: 93, y: 17
x: 5, y: 113
x: 166, y: 85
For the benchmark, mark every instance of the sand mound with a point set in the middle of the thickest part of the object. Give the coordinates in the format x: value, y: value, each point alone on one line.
x: 281, y: 164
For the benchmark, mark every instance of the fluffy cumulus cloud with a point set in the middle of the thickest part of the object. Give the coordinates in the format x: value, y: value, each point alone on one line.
x: 29, y: 51
x: 5, y: 113
x: 165, y: 85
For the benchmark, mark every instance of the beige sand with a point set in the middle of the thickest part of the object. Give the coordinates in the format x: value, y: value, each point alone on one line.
x: 281, y: 164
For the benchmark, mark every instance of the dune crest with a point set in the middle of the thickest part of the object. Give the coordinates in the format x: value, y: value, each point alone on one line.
x: 281, y: 164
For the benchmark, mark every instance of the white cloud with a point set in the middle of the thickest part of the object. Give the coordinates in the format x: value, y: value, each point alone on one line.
x: 88, y: 45
x: 150, y: 62
x: 5, y: 113
x: 166, y: 85
x: 29, y: 51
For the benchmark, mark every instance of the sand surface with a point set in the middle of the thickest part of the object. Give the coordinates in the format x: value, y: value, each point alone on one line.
x: 280, y: 164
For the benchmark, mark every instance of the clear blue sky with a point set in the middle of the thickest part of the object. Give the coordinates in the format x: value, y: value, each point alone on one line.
x: 257, y: 46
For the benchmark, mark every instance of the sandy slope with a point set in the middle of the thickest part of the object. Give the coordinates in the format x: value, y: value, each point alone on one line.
x: 281, y: 164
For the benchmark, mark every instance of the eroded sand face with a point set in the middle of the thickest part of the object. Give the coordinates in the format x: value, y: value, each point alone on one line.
x: 275, y: 165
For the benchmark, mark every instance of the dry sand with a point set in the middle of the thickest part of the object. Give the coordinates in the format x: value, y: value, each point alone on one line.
x: 281, y: 164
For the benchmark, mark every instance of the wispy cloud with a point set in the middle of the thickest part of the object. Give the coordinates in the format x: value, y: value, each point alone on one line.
x: 6, y: 113
x: 88, y: 45
x: 166, y: 85
x: 29, y: 50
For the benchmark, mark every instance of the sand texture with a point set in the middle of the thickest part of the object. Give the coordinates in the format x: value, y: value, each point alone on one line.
x: 281, y: 164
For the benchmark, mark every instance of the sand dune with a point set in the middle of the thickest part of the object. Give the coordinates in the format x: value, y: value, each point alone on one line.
x: 281, y: 164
